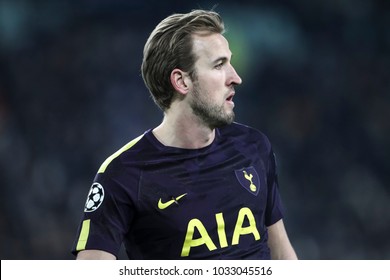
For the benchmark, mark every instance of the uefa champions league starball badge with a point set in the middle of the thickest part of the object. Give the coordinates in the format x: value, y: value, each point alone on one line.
x: 95, y: 198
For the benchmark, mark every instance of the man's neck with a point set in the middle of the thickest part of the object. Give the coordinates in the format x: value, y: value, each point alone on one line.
x: 183, y: 131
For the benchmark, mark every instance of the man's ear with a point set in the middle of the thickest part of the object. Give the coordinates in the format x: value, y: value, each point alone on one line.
x: 180, y: 81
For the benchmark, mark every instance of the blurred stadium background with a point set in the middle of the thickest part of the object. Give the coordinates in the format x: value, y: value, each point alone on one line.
x: 315, y: 80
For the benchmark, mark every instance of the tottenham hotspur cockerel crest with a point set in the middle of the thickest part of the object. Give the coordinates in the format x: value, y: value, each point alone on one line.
x: 249, y: 179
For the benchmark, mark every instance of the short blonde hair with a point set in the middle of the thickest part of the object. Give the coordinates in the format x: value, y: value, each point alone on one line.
x: 169, y: 46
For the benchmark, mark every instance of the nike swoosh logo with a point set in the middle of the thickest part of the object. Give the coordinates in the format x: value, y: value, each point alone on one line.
x: 162, y: 205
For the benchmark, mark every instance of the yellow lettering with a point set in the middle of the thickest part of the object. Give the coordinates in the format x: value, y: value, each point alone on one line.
x: 203, y: 239
x: 221, y: 230
x: 240, y: 230
x: 245, y: 216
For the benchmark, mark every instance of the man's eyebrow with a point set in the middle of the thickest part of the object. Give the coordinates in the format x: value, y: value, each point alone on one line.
x: 221, y: 59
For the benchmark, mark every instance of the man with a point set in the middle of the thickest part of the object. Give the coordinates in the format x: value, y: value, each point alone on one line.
x: 198, y: 186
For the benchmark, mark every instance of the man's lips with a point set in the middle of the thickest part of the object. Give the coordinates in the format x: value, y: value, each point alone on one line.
x: 229, y: 99
x: 230, y: 96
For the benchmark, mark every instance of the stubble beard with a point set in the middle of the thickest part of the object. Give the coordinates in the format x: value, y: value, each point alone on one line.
x: 211, y: 115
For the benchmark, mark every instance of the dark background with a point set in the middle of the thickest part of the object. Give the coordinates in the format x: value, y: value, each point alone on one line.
x: 315, y: 80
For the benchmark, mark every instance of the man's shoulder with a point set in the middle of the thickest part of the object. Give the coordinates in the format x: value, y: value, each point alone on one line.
x: 129, y: 151
x: 243, y: 131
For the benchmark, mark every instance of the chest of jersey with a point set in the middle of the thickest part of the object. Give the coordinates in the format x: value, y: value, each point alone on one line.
x: 201, y: 206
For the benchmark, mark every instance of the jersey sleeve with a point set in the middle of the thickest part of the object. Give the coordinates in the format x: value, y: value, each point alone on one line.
x: 274, y: 210
x: 107, y: 215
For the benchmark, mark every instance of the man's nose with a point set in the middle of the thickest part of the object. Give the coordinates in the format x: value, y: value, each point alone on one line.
x: 234, y: 77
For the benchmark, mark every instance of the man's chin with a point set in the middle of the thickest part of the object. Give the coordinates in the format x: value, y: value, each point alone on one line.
x: 223, y: 122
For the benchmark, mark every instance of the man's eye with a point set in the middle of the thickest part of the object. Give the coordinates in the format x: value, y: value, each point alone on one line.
x: 219, y: 66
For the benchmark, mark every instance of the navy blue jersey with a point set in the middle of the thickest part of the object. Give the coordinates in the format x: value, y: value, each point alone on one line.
x: 172, y: 203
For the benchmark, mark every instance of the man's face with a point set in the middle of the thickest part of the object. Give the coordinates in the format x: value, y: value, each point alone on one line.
x: 213, y: 87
